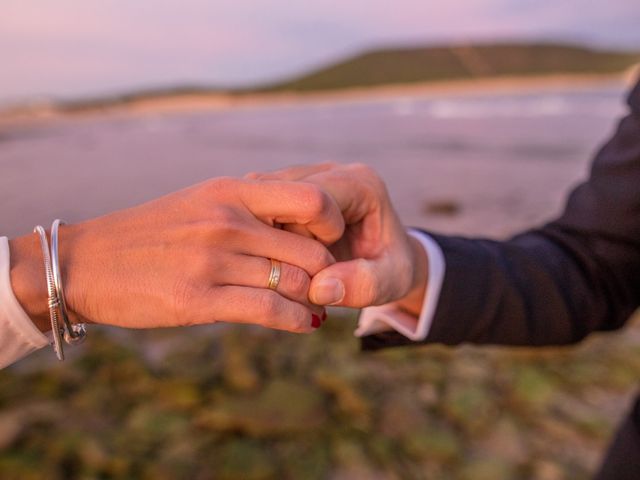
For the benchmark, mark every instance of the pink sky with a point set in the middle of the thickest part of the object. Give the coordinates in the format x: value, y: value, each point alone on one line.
x: 71, y: 48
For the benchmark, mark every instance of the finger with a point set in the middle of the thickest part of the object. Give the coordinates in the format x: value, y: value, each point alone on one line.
x: 357, y: 193
x: 297, y: 229
x: 250, y: 271
x: 268, y: 242
x: 258, y: 306
x: 355, y: 283
x: 295, y: 202
x: 296, y: 172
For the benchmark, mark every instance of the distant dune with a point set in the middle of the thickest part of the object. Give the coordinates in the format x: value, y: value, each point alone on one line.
x: 384, y: 71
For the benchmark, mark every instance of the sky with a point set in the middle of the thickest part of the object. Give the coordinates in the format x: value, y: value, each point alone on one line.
x: 80, y: 48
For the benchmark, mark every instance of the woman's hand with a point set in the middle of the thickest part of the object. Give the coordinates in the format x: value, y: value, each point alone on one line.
x: 377, y: 261
x: 196, y: 256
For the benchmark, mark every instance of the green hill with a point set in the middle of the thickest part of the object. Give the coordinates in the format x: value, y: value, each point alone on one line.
x: 403, y: 66
x: 416, y: 65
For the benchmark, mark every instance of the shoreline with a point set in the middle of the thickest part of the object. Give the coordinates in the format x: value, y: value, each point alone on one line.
x: 181, y: 103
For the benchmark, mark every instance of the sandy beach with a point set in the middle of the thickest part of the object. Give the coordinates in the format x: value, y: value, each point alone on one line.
x: 180, y: 103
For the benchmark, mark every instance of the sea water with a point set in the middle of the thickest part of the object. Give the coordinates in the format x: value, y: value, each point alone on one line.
x: 505, y: 160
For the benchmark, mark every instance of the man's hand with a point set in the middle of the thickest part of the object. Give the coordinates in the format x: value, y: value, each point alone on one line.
x: 377, y: 261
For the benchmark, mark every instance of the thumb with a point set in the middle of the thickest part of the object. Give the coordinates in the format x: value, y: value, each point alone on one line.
x: 354, y: 283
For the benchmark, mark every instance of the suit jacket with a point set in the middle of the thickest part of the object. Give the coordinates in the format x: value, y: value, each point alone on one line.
x: 555, y: 284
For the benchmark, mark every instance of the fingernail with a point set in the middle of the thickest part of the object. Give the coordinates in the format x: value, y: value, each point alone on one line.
x: 315, y: 321
x: 328, y: 291
x: 324, y: 315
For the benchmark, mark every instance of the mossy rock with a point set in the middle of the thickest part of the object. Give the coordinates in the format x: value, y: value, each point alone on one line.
x: 351, y: 461
x: 306, y: 458
x: 238, y: 371
x: 283, y: 407
x: 401, y: 415
x: 178, y: 394
x: 354, y: 406
x: 471, y: 407
x: 489, y: 469
x: 149, y: 427
x: 243, y: 459
x: 531, y: 388
x: 503, y: 440
x: 434, y: 444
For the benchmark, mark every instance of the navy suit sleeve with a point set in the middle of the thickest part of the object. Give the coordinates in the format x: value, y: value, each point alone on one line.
x: 555, y: 284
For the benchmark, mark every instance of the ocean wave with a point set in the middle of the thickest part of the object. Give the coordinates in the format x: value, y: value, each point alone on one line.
x: 511, y: 107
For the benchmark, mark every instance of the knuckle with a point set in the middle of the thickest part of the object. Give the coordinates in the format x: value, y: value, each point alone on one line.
x: 296, y: 281
x: 225, y: 221
x: 295, y: 320
x: 224, y: 182
x: 369, y: 289
x: 315, y: 199
x: 299, y: 324
x: 361, y: 168
x: 317, y: 257
x: 283, y: 317
x: 364, y: 171
x: 269, y: 305
x: 215, y: 188
x: 221, y: 185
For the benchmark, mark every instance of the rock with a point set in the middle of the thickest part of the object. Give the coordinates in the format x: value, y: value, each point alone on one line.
x: 244, y: 459
x: 438, y: 444
x: 443, y: 207
x: 469, y: 367
x: 350, y: 403
x: 586, y: 418
x: 471, y: 406
x: 531, y: 388
x: 428, y: 395
x: 401, y: 415
x: 547, y: 470
x: 238, y: 370
x: 433, y: 369
x: 283, y: 407
x: 11, y: 426
x: 488, y: 469
x: 305, y: 460
x: 178, y: 394
x: 351, y: 462
x: 503, y: 440
x: 93, y: 455
x: 16, y: 421
x: 383, y: 449
x: 148, y: 426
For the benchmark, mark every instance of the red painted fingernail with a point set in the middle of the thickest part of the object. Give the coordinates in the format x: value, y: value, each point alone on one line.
x: 324, y: 315
x: 315, y: 321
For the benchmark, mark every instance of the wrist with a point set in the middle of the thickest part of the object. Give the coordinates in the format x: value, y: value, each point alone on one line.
x: 412, y: 302
x: 28, y: 276
x: 28, y: 280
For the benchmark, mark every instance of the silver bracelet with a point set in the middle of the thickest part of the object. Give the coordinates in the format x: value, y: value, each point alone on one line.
x: 73, y: 334
x: 51, y: 290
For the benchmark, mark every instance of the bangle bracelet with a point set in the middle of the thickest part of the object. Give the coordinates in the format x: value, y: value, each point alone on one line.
x: 73, y: 334
x: 51, y: 290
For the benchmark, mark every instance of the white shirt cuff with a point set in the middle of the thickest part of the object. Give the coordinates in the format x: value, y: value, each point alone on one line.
x: 389, y: 317
x: 18, y: 335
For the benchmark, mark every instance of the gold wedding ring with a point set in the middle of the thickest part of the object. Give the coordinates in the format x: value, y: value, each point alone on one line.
x: 274, y: 276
